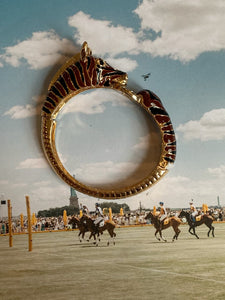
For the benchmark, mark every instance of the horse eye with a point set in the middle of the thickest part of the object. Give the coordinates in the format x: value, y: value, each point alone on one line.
x: 101, y: 62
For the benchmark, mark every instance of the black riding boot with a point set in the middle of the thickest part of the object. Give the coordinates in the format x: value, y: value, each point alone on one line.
x: 192, y: 219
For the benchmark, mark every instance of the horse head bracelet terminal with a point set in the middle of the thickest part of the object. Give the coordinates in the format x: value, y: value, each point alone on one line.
x: 83, y: 72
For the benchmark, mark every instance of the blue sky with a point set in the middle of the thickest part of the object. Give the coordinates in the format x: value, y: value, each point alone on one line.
x: 181, y: 43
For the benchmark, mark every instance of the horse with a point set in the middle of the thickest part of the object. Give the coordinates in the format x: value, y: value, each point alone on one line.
x: 108, y: 225
x: 171, y: 221
x: 204, y: 219
x: 75, y: 221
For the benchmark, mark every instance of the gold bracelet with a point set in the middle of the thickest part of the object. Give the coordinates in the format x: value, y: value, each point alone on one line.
x: 83, y: 72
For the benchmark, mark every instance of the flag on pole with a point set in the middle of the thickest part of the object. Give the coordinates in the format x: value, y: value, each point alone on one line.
x: 65, y: 217
x: 34, y: 219
x: 110, y: 214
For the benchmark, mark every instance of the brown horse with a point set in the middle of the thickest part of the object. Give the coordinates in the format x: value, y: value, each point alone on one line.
x: 75, y: 221
x: 109, y: 226
x: 171, y: 221
x: 204, y: 219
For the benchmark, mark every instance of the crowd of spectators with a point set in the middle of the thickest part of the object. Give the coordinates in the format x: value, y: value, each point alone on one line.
x: 58, y: 223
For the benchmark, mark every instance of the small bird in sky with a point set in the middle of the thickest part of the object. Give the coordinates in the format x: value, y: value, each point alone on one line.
x: 146, y: 76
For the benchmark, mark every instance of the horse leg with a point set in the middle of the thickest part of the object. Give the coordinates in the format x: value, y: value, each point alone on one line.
x: 209, y: 231
x: 177, y: 232
x: 191, y: 228
x: 82, y: 233
x: 156, y: 234
x: 194, y: 233
x: 160, y: 232
x: 114, y: 237
x: 90, y: 236
x: 95, y: 240
x: 110, y: 235
x: 213, y: 231
x: 99, y: 237
x: 211, y: 228
x: 79, y: 237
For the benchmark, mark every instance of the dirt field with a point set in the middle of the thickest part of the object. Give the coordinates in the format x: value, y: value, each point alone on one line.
x: 137, y: 267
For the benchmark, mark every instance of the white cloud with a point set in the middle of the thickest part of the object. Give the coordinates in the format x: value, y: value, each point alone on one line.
x: 54, y: 196
x: 143, y: 143
x: 184, y: 29
x: 218, y: 172
x: 42, y: 50
x: 125, y: 63
x: 32, y: 163
x: 26, y: 111
x: 106, y: 40
x: 181, y: 30
x: 176, y: 192
x: 104, y: 172
x: 209, y: 127
x: 102, y: 36
x: 94, y: 103
x: 21, y: 112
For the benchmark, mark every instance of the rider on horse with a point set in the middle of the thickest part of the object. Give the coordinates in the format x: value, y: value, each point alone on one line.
x: 193, y: 210
x: 85, y: 210
x: 99, y: 221
x: 162, y: 214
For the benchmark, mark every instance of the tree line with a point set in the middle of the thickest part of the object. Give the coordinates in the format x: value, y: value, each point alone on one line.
x: 71, y: 210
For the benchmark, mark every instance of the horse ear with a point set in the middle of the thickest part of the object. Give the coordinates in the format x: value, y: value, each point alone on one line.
x: 85, y: 52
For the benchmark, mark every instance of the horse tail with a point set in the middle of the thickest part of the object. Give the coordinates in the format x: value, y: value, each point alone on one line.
x: 211, y: 217
x: 176, y: 219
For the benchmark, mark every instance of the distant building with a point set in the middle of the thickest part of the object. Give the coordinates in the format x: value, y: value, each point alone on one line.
x: 73, y: 198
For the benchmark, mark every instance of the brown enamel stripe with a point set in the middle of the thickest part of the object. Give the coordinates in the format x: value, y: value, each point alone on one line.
x: 170, y: 148
x: 68, y: 81
x: 85, y: 73
x: 78, y: 77
x: 168, y: 127
x: 169, y: 138
x: 53, y: 96
x: 60, y: 88
x: 48, y: 105
x: 162, y: 119
x: 154, y: 104
x: 92, y: 72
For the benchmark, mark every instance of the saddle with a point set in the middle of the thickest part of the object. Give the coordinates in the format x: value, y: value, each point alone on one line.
x: 198, y: 218
x: 166, y: 221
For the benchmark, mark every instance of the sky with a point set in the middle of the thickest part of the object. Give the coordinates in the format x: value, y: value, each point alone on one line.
x: 101, y: 137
